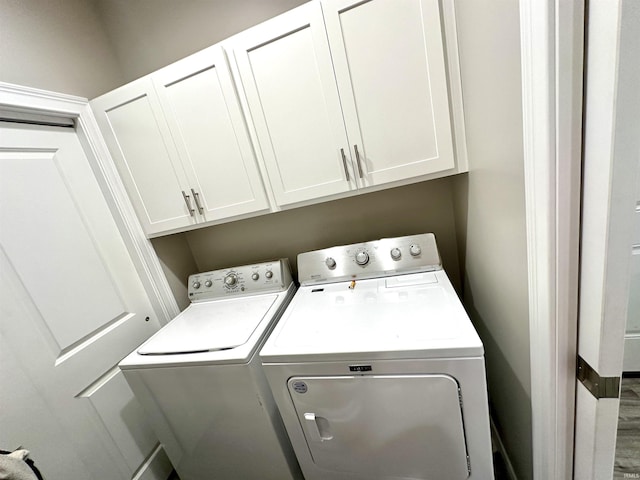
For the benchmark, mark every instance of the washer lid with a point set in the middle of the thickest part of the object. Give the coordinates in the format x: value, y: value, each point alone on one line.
x: 210, y: 326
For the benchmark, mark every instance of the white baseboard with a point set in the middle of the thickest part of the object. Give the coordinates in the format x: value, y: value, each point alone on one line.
x: 495, y: 436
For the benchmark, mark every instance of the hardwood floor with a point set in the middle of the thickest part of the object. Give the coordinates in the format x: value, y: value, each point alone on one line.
x: 627, y: 463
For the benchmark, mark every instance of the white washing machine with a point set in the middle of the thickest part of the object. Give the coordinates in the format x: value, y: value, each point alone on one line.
x: 377, y: 370
x: 201, y: 383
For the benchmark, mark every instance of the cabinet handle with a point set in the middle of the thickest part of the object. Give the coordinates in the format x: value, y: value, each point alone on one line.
x: 355, y: 147
x: 344, y: 163
x: 196, y: 197
x: 188, y: 202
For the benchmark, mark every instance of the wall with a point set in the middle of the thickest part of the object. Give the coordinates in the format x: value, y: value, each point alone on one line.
x: 419, y: 208
x: 490, y: 214
x: 150, y: 34
x: 56, y: 45
x: 177, y: 264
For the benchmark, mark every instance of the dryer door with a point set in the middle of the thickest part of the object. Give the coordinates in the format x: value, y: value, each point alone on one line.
x: 383, y: 426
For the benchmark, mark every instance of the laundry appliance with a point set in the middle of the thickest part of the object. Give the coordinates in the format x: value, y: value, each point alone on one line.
x: 377, y: 370
x: 201, y: 383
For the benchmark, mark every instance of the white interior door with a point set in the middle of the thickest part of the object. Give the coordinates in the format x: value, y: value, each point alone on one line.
x: 611, y: 169
x: 632, y: 335
x: 72, y: 305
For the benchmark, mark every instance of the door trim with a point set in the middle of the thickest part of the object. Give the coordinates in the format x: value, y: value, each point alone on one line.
x: 35, y: 101
x: 552, y: 37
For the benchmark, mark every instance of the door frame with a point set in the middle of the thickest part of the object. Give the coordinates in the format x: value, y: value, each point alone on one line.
x: 32, y: 101
x: 552, y: 41
x: 553, y: 55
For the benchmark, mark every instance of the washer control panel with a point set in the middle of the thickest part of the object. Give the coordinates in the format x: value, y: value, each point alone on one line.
x: 265, y: 277
x: 378, y: 258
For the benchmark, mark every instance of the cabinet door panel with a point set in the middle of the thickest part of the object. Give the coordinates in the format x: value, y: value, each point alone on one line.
x: 133, y: 126
x: 203, y: 113
x: 285, y: 69
x: 390, y: 69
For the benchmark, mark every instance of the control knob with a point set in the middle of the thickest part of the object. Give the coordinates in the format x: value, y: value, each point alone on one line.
x: 330, y: 262
x: 255, y: 276
x: 362, y: 258
x: 208, y: 283
x: 415, y: 250
x: 395, y: 253
x: 268, y: 274
x: 230, y: 280
x: 196, y: 284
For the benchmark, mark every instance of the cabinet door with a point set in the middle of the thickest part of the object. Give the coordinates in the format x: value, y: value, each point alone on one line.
x: 389, y: 65
x: 138, y: 138
x: 285, y: 69
x: 207, y: 125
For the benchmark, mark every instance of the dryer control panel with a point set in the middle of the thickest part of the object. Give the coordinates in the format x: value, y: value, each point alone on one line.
x: 265, y: 277
x: 378, y: 258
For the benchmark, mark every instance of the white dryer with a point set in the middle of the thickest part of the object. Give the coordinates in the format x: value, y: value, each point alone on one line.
x: 201, y: 383
x: 377, y: 370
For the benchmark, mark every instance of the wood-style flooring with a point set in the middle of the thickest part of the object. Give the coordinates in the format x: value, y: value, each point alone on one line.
x: 627, y: 463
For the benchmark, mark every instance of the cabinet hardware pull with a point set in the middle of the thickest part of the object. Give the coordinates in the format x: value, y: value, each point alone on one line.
x: 344, y: 163
x: 196, y: 197
x: 355, y: 147
x: 188, y: 202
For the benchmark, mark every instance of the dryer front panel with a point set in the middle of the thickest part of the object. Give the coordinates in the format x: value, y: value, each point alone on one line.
x: 383, y: 426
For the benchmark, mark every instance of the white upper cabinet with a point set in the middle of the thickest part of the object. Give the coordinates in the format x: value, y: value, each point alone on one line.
x: 390, y: 68
x: 340, y: 97
x: 285, y: 69
x: 201, y: 106
x: 134, y: 128
x: 181, y: 145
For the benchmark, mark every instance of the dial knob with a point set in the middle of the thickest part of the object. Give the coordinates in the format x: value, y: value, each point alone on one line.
x: 268, y: 274
x: 196, y: 284
x: 330, y: 262
x: 255, y: 276
x: 415, y: 250
x: 362, y: 258
x: 395, y: 253
x: 208, y: 283
x: 230, y: 280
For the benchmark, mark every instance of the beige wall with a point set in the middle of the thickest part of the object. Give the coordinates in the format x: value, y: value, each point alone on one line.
x: 418, y: 208
x: 177, y: 263
x: 149, y: 34
x: 56, y: 45
x: 490, y: 214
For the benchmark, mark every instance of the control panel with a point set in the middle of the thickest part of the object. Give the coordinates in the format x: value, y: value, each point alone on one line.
x: 273, y: 276
x: 378, y: 258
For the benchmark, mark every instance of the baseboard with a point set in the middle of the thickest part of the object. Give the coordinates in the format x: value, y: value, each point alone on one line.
x: 495, y: 436
x: 156, y: 467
